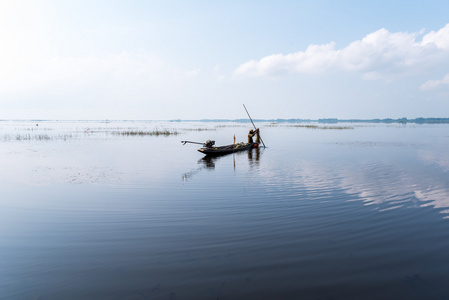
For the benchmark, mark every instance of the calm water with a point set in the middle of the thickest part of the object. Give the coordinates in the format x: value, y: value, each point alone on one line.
x: 359, y: 213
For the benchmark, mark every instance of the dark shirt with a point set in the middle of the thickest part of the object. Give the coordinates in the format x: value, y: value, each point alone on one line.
x: 250, y: 137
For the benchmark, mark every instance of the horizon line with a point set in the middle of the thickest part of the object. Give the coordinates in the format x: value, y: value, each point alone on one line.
x: 240, y: 120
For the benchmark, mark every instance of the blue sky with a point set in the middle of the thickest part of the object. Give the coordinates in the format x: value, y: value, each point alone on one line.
x: 203, y: 59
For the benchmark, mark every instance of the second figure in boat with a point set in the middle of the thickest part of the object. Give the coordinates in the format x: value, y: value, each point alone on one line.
x: 254, y: 133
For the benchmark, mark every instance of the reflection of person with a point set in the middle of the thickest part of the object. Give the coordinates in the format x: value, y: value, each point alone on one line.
x: 254, y: 160
x: 253, y: 133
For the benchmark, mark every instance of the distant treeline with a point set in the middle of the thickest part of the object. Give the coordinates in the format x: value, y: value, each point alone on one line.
x: 330, y: 120
x: 401, y: 120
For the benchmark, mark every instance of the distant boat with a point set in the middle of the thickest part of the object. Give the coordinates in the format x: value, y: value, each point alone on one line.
x: 221, y: 150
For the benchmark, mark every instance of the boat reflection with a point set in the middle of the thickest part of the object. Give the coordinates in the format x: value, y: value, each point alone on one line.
x: 208, y: 162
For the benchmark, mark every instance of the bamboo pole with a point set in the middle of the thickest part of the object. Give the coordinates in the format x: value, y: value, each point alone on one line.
x: 254, y: 125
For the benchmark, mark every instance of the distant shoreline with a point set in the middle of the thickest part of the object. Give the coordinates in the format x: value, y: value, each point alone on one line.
x: 333, y: 120
x: 328, y: 120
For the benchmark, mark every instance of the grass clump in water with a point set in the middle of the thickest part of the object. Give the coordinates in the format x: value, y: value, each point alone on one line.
x: 200, y: 129
x: 164, y: 132
x: 29, y: 137
x: 230, y: 125
x: 38, y: 137
x: 322, y: 127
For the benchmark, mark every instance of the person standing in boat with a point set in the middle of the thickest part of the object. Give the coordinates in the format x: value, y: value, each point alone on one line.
x: 254, y: 133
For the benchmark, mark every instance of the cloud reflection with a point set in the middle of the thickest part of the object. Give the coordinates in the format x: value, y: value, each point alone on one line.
x: 418, y: 180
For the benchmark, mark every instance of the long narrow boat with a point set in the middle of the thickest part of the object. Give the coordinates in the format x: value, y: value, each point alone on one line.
x: 227, y: 149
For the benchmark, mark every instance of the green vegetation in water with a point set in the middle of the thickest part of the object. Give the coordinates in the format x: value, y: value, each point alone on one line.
x: 165, y: 132
x: 232, y: 125
x: 200, y: 129
x: 322, y: 127
x: 36, y: 137
x: 28, y: 137
x: 34, y: 129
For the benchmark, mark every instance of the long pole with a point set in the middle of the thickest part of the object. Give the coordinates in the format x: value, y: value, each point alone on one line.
x: 253, y: 125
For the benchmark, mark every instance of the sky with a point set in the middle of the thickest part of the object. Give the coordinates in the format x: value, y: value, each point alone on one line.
x: 163, y: 60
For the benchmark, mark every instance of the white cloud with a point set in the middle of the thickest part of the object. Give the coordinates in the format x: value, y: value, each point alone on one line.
x: 379, y: 54
x: 315, y: 59
x: 434, y: 84
x: 439, y: 38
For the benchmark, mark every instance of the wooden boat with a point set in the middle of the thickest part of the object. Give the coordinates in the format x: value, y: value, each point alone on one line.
x: 221, y: 150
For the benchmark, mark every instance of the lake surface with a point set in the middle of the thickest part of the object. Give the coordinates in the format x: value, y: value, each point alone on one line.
x: 355, y: 213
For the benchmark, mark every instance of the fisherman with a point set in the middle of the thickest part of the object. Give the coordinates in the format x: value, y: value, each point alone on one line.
x: 253, y: 133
